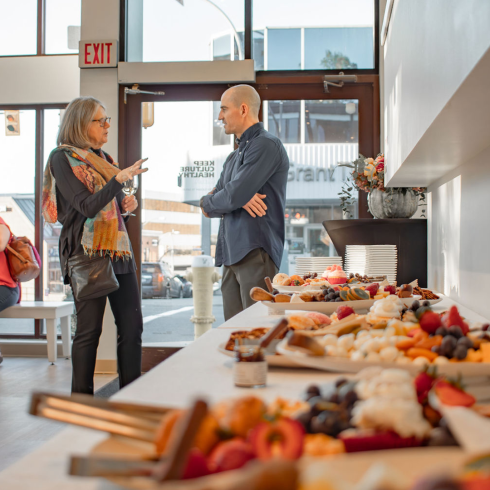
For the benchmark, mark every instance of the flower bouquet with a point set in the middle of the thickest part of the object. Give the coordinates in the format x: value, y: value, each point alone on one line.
x: 368, y: 175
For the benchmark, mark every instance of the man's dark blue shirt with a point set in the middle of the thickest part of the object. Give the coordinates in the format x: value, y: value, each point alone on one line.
x: 259, y: 165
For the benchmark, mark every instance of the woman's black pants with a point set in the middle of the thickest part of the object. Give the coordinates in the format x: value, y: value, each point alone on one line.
x: 126, y: 307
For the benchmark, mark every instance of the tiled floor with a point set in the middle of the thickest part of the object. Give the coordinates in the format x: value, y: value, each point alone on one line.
x: 21, y: 433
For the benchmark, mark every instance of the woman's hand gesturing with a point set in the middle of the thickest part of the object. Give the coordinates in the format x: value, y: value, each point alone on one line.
x: 130, y: 172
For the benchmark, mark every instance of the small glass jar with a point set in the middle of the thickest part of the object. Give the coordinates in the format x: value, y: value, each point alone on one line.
x: 250, y: 367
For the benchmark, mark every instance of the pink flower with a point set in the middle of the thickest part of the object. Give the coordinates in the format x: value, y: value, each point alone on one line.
x: 380, y: 167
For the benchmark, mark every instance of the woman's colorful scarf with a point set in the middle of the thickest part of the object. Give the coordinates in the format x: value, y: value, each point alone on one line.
x: 106, y: 233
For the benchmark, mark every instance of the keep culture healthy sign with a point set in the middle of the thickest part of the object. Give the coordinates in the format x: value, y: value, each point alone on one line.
x: 98, y: 54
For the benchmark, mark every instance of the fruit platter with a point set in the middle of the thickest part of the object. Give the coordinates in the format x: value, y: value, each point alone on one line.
x: 327, y: 299
x: 392, y: 335
x: 333, y: 275
x: 248, y: 443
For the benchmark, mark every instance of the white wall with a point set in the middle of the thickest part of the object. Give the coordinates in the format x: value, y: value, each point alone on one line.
x: 431, y: 48
x: 459, y: 234
x: 39, y: 79
x: 100, y: 20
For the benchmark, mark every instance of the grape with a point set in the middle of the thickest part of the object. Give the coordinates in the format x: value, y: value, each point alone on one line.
x: 466, y: 341
x: 331, y: 295
x: 331, y: 290
x: 447, y: 347
x: 425, y: 303
x: 449, y: 340
x: 325, y: 293
x: 337, y: 294
x: 305, y: 420
x: 441, y: 331
x: 415, y: 305
x: 313, y: 389
x: 351, y: 275
x: 350, y: 397
x: 338, y: 300
x: 455, y: 331
x: 319, y: 404
x: 460, y: 352
x: 436, y: 349
x: 329, y: 422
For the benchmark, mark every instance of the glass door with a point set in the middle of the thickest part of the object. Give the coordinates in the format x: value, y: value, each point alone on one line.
x: 187, y: 147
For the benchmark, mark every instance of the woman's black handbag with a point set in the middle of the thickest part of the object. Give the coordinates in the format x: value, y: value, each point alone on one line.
x: 91, y: 277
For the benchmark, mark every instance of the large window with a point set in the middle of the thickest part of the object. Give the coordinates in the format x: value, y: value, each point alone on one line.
x: 192, y: 30
x: 317, y: 135
x: 18, y: 31
x: 20, y: 163
x: 322, y: 34
x: 22, y: 19
x: 17, y: 168
x: 63, y: 18
x: 54, y: 288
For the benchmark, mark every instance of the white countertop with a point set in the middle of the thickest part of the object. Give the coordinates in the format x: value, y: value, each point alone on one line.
x: 197, y: 370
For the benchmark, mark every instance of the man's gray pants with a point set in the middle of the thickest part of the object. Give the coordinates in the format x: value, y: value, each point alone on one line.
x: 240, y: 278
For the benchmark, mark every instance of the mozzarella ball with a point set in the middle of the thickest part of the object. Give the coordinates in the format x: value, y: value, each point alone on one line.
x: 357, y: 356
x: 421, y: 361
x: 388, y: 354
x: 330, y: 339
x: 346, y: 341
x: 373, y: 357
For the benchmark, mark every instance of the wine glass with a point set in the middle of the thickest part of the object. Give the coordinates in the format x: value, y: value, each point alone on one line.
x: 129, y: 188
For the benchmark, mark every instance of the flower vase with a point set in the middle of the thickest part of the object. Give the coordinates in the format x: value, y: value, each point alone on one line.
x: 393, y: 203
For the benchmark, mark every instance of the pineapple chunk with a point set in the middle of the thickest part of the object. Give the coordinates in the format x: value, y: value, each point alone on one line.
x: 485, y: 350
x: 474, y: 356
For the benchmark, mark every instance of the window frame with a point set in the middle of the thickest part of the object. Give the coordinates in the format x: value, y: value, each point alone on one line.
x: 248, y: 44
x: 38, y: 218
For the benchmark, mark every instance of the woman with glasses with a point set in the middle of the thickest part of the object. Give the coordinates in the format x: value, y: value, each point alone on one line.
x: 83, y: 191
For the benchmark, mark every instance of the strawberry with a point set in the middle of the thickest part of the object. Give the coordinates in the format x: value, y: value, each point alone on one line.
x: 230, y: 455
x: 430, y: 321
x: 196, y: 466
x: 452, y: 317
x: 373, y: 289
x: 449, y: 394
x: 423, y: 383
x: 286, y: 434
x: 344, y: 311
x: 390, y: 289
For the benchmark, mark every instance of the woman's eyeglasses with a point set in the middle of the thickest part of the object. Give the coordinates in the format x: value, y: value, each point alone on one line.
x: 102, y: 121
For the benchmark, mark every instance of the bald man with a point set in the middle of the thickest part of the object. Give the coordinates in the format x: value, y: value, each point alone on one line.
x: 249, y: 198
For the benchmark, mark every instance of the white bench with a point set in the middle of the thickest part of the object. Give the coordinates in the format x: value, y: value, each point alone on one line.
x: 49, y: 311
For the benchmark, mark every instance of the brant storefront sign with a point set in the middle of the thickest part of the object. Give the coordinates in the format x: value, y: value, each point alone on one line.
x: 98, y: 54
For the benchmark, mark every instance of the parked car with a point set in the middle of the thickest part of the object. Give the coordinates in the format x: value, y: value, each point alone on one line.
x: 158, y: 282
x: 187, y: 286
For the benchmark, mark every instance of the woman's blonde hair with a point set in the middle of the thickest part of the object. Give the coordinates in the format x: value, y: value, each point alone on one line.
x: 74, y: 126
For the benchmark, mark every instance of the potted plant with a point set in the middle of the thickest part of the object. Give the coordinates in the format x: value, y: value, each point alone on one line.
x: 384, y: 202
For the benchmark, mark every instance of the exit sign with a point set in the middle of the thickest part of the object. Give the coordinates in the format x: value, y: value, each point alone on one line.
x: 97, y: 54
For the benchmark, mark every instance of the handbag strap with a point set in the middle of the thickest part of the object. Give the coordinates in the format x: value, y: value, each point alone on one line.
x: 17, y: 254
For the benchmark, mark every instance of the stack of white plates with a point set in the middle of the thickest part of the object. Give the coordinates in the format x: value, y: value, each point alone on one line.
x: 372, y: 260
x: 315, y: 264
